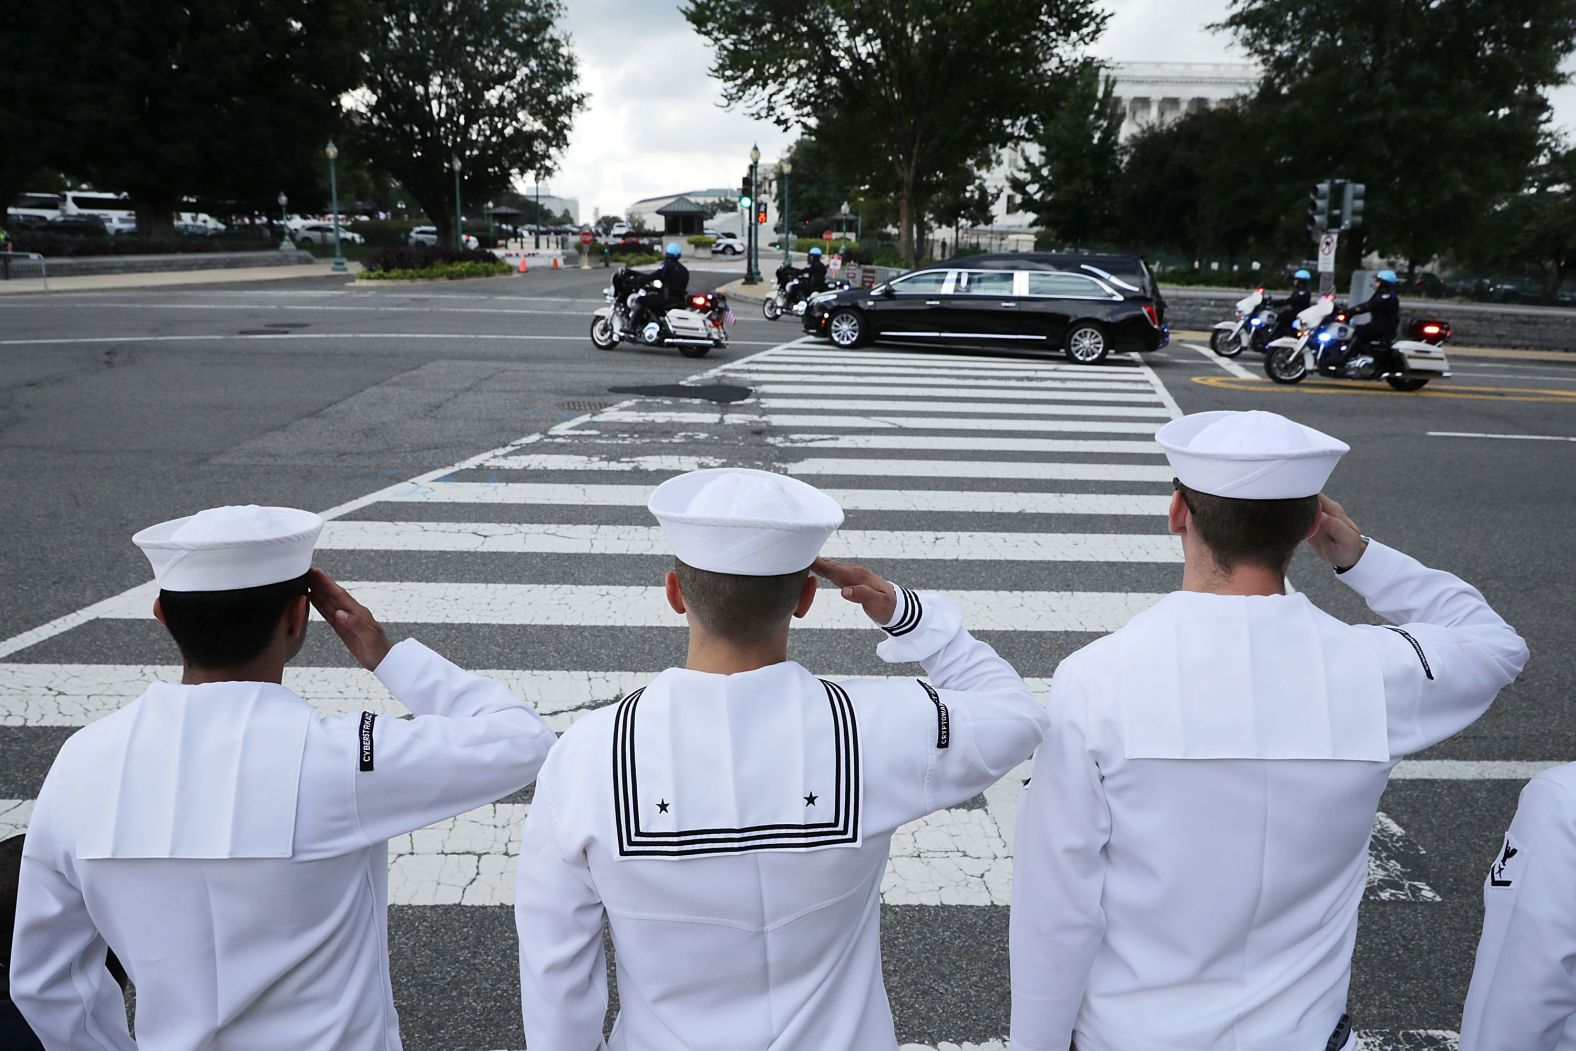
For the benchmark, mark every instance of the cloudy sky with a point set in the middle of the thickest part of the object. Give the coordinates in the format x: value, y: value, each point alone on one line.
x: 655, y: 125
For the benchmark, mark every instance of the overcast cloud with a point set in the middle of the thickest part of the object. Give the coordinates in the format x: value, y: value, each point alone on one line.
x: 654, y: 123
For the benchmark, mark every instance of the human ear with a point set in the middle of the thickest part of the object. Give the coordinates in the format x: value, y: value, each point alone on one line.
x: 807, y: 595
x: 670, y: 584
x: 1177, y: 514
x: 158, y: 612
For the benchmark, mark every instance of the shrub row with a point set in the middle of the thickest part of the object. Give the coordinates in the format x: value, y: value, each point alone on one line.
x: 58, y: 246
x: 454, y: 271
x: 421, y: 257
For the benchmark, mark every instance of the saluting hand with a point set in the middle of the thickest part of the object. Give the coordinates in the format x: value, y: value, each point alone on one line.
x: 355, y: 625
x: 860, y: 585
x: 1336, y: 538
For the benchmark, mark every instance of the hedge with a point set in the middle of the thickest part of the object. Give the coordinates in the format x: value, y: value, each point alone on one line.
x: 59, y: 246
x: 702, y: 241
x: 422, y: 257
x: 450, y: 271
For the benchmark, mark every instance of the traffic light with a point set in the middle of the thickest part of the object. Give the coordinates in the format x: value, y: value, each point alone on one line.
x: 760, y: 213
x: 744, y: 193
x: 1335, y: 219
x: 1319, y: 209
x: 1352, y: 205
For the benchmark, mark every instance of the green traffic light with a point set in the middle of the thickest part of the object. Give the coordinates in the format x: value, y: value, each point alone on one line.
x: 744, y: 202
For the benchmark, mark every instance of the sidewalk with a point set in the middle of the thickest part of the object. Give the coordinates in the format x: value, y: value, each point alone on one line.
x: 164, y: 278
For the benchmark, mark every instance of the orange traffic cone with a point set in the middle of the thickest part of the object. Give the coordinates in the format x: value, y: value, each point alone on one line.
x: 555, y: 262
x: 523, y: 268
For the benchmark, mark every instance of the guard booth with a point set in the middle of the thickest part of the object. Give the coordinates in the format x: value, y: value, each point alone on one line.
x: 682, y: 217
x: 506, y: 220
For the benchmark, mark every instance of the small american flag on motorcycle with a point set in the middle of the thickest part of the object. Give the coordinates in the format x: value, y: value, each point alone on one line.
x: 727, y: 316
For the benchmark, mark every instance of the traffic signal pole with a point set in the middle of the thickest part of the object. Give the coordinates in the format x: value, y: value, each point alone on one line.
x: 752, y: 271
x: 1334, y: 205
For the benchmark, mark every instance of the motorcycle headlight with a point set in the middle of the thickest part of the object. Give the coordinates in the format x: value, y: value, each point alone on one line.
x: 1325, y: 337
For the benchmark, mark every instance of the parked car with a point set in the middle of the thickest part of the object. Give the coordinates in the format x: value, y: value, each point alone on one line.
x: 323, y: 234
x: 727, y: 244
x: 428, y: 235
x: 121, y: 224
x: 1084, y: 305
x: 80, y: 224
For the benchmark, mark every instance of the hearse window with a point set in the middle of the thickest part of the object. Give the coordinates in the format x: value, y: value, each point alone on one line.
x: 985, y: 282
x: 923, y: 281
x: 1067, y: 286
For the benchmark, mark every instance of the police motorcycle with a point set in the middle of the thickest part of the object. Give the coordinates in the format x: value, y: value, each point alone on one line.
x: 791, y: 292
x: 1254, y: 324
x: 1323, y: 335
x: 696, y: 328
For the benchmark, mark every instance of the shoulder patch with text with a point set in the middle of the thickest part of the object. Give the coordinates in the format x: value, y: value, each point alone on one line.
x: 364, y: 747
x: 943, y: 718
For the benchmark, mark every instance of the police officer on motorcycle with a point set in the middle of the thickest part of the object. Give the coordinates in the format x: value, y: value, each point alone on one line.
x: 1384, y: 316
x: 1293, y: 304
x: 674, y: 276
x: 814, y: 273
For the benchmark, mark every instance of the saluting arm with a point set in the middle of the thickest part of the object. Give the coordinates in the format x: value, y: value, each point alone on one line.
x: 1058, y: 875
x: 1523, y: 991
x: 1448, y: 656
x: 559, y: 917
x: 58, y: 976
x: 471, y: 741
x: 987, y: 720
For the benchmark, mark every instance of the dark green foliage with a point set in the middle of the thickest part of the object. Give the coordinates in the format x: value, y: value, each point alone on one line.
x: 904, y: 93
x: 1071, y: 175
x: 492, y: 82
x: 1537, y: 227
x: 59, y: 246
x: 417, y: 257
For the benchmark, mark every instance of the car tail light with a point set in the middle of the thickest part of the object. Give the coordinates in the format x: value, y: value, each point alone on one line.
x: 1152, y: 314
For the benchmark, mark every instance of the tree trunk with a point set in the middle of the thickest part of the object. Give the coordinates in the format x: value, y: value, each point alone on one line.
x: 155, y: 212
x: 905, y: 229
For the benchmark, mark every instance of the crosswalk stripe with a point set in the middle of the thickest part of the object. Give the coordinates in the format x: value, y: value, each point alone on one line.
x: 921, y: 423
x: 971, y: 408
x: 929, y: 442
x: 801, y: 364
x: 852, y: 500
x: 665, y: 463
x: 974, y: 380
x: 921, y: 358
x: 921, y: 387
x: 872, y: 544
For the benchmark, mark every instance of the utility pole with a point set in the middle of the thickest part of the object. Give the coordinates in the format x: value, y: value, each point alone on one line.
x: 752, y: 271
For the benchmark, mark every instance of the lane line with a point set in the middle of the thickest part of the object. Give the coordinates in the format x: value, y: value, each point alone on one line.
x: 962, y: 500
x: 1531, y: 395
x: 1225, y: 363
x: 1517, y: 437
x: 613, y: 540
x: 607, y: 605
x: 281, y: 337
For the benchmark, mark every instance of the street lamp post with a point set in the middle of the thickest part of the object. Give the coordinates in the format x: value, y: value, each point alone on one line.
x: 785, y: 167
x: 459, y: 223
x: 537, y: 237
x: 332, y: 152
x: 284, y: 240
x: 492, y: 235
x: 752, y: 271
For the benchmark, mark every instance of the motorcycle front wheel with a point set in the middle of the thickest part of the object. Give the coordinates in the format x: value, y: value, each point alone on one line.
x: 772, y: 308
x: 602, y: 334
x: 1407, y: 383
x: 1226, y: 344
x: 1285, y: 365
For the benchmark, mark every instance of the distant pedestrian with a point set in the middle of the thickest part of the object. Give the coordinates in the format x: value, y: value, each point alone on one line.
x: 1191, y: 849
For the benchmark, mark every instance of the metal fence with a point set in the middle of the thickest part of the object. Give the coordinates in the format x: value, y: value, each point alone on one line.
x: 24, y: 266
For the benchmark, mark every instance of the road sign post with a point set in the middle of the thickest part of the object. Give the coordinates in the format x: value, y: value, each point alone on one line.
x: 1327, y: 245
x: 585, y: 249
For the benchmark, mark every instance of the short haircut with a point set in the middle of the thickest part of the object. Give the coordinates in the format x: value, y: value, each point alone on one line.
x: 742, y: 610
x: 1262, y: 533
x: 218, y: 629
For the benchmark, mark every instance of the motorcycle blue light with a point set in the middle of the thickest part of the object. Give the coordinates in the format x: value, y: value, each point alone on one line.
x: 1258, y: 321
x: 1324, y: 337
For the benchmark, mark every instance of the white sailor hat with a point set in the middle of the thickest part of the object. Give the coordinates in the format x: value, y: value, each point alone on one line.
x: 745, y: 522
x: 1251, y: 455
x: 229, y: 548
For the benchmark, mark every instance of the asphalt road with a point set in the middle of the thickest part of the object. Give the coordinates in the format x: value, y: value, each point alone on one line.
x: 121, y: 409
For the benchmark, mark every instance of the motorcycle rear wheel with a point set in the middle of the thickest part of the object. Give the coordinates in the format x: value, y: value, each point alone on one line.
x: 1285, y: 365
x: 1226, y: 344
x: 602, y: 334
x: 1407, y: 383
x: 771, y: 308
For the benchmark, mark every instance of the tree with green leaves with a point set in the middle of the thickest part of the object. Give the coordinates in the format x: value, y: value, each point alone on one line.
x: 1070, y: 175
x: 491, y: 83
x: 230, y: 100
x: 903, y: 89
x: 1537, y: 226
x: 1438, y: 106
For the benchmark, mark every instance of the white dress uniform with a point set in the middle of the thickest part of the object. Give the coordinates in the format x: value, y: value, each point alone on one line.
x: 733, y: 830
x: 1523, y: 995
x: 1191, y: 850
x: 230, y: 845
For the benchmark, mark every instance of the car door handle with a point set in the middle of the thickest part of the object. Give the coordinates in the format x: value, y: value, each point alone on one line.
x: 1009, y: 304
x: 932, y: 302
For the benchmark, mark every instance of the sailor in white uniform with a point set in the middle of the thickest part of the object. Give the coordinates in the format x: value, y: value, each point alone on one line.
x: 225, y: 841
x: 732, y: 819
x: 1523, y: 994
x: 1192, y: 847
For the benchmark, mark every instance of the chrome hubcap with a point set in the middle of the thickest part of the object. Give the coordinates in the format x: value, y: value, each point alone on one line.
x: 844, y: 330
x: 1087, y: 344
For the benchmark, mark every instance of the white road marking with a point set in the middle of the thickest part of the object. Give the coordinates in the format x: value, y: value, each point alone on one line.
x: 877, y: 357
x: 612, y: 540
x: 962, y: 500
x: 1092, y: 472
x: 607, y: 605
x: 803, y: 362
x: 930, y: 377
x: 1228, y: 364
x: 660, y: 463
x: 923, y: 423
x: 924, y: 387
x: 1469, y: 769
x: 517, y: 337
x: 1518, y: 437
x: 970, y: 408
x: 992, y: 443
